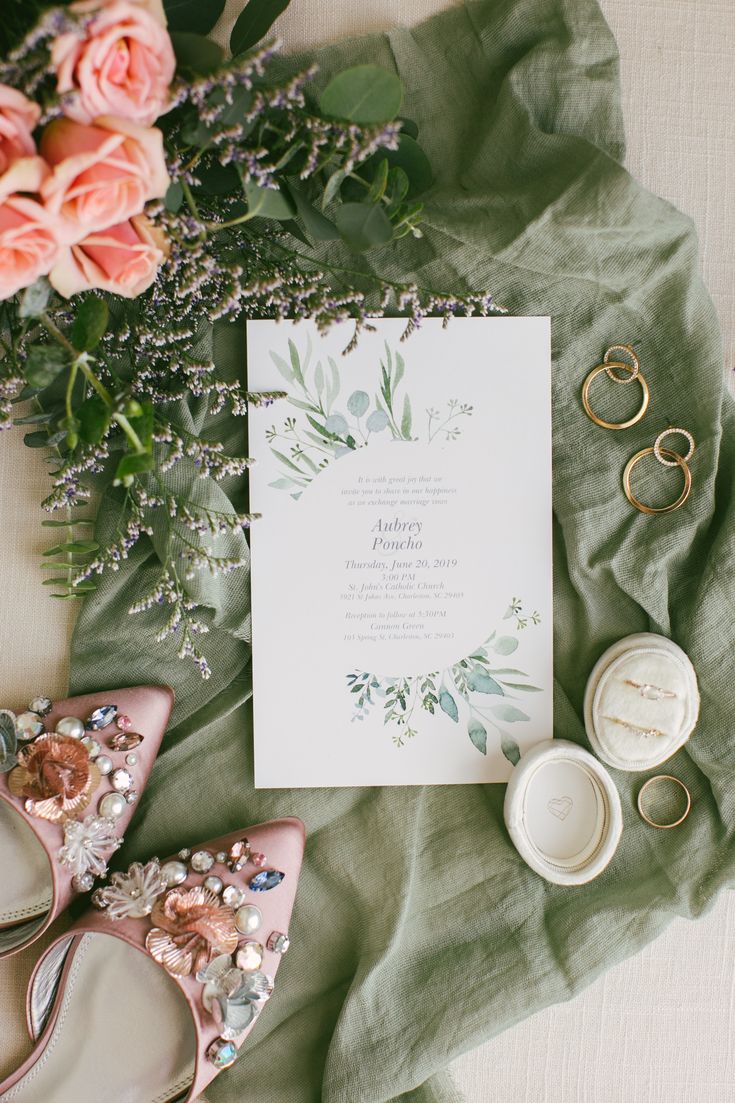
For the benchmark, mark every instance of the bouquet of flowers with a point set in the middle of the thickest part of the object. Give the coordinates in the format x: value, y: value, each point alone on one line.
x: 152, y: 185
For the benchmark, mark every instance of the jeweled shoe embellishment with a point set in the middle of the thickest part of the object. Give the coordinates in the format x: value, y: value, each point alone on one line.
x: 205, y: 930
x: 125, y: 741
x: 131, y: 895
x: 191, y: 926
x: 55, y: 776
x: 8, y: 741
x: 57, y: 773
x: 87, y: 846
x: 101, y: 718
x: 266, y: 880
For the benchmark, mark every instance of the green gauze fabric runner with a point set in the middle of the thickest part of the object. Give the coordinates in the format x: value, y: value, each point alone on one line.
x: 418, y: 931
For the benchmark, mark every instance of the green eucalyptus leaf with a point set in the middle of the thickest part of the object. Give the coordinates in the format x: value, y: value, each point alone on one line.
x: 94, y: 419
x: 478, y: 734
x: 380, y: 182
x: 90, y: 324
x: 197, y: 54
x: 510, y: 749
x: 44, y: 363
x: 334, y: 183
x: 524, y: 687
x: 398, y: 185
x: 174, y: 197
x: 509, y: 713
x: 34, y: 299
x: 283, y: 368
x: 143, y: 423
x: 408, y: 126
x: 363, y: 225
x: 320, y: 228
x: 295, y: 362
x: 132, y: 464
x: 196, y: 16
x: 363, y: 94
x: 448, y: 705
x: 36, y: 440
x: 378, y: 421
x: 68, y: 524
x: 42, y: 417
x: 478, y: 682
x: 358, y: 403
x: 406, y: 419
x: 505, y: 645
x: 411, y: 158
x: 254, y: 22
x: 269, y: 202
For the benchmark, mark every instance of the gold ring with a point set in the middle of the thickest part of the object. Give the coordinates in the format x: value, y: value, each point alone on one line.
x: 634, y: 374
x: 674, y: 456
x: 615, y: 364
x: 652, y: 781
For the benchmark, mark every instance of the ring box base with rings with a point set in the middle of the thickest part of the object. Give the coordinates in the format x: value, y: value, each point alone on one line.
x: 641, y: 703
x: 563, y: 812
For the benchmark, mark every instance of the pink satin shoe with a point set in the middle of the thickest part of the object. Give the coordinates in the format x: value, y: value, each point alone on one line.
x: 153, y: 991
x: 71, y: 773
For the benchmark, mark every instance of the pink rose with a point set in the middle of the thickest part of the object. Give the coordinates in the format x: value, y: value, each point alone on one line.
x: 29, y: 242
x: 101, y: 174
x: 123, y: 259
x: 121, y: 63
x: 18, y: 117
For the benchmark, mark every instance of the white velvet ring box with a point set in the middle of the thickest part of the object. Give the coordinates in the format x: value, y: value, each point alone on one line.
x: 563, y: 812
x: 641, y: 703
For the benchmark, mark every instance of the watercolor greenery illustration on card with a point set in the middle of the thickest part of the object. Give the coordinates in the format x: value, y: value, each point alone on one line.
x: 329, y: 425
x: 473, y: 691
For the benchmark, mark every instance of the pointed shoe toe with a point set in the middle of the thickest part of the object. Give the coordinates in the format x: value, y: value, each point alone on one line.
x: 71, y: 773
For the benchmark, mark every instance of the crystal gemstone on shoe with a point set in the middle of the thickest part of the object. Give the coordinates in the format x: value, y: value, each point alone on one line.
x: 201, y: 861
x: 278, y: 942
x: 265, y: 880
x: 234, y: 896
x: 101, y: 718
x: 125, y: 741
x: 29, y: 725
x: 222, y: 1053
x: 249, y: 956
x: 41, y: 705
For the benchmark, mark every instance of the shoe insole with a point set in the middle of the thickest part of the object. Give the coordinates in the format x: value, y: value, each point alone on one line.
x: 25, y: 877
x: 123, y: 1034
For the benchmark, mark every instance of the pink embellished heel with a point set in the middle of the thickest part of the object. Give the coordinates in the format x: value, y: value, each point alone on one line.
x: 71, y: 773
x: 153, y: 991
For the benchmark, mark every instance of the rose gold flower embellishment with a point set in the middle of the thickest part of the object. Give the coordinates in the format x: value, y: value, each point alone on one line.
x: 55, y: 776
x: 191, y: 927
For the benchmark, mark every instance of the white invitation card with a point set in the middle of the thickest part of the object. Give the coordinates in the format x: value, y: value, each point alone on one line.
x: 401, y: 569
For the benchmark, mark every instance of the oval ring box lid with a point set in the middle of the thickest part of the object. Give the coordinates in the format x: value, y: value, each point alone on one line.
x: 641, y: 703
x: 563, y: 812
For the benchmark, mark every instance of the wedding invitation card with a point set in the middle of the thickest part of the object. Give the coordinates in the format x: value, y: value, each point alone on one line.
x: 401, y: 569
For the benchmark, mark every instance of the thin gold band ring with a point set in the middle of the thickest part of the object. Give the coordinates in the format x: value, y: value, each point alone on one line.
x: 634, y: 373
x: 668, y: 454
x: 648, y: 785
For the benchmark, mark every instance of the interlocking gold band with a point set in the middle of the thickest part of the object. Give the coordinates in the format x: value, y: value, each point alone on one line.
x: 634, y: 374
x: 676, y: 458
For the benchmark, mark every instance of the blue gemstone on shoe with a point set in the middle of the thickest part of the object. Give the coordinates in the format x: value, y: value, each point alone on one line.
x: 266, y: 879
x: 101, y: 718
